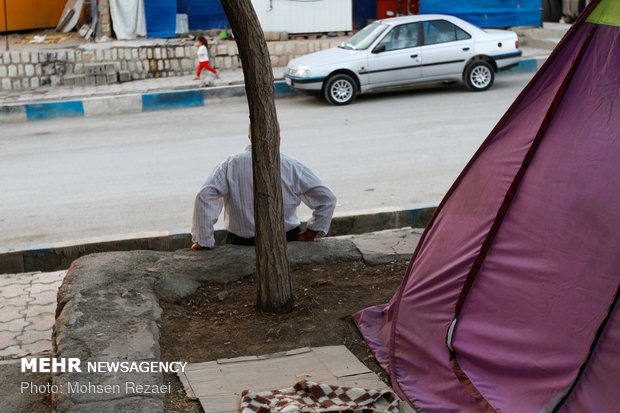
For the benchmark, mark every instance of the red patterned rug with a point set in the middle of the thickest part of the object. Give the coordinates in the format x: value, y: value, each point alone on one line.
x: 309, y: 397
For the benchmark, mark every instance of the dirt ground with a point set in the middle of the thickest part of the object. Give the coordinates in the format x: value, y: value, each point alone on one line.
x: 221, y: 320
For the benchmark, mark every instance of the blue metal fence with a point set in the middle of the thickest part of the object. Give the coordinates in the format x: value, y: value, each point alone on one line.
x: 161, y: 18
x: 488, y: 13
x: 204, y: 14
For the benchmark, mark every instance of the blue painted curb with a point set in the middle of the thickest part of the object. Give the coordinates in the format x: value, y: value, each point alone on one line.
x: 529, y: 65
x: 169, y: 100
x: 49, y: 110
x: 283, y: 89
x: 172, y: 100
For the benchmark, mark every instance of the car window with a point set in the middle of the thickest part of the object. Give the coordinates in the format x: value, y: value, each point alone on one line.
x: 401, y: 37
x: 441, y: 31
x: 461, y: 34
x: 364, y: 37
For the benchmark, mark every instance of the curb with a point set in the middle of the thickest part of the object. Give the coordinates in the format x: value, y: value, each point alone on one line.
x: 131, y: 103
x: 115, y: 105
x: 59, y: 257
x: 135, y: 103
x: 529, y: 65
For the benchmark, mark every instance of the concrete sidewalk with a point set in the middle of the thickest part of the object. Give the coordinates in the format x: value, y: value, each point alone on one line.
x: 163, y: 84
x: 159, y: 93
x: 130, y: 97
x: 27, y: 308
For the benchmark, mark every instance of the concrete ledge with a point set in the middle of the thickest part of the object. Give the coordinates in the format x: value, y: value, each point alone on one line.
x: 13, y: 113
x: 59, y: 256
x: 108, y: 310
x: 108, y: 304
x: 114, y: 105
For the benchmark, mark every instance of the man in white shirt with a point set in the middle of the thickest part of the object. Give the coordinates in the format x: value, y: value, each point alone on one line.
x: 230, y: 186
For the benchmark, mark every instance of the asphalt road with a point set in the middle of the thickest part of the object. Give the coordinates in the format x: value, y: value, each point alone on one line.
x: 75, y: 180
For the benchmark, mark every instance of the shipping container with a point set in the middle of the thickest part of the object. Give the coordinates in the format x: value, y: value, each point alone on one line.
x: 304, y: 16
x: 292, y: 16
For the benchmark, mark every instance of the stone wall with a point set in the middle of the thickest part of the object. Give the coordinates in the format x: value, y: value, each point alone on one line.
x: 96, y: 64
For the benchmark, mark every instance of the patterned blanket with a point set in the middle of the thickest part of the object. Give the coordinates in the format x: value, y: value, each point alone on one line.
x: 309, y: 397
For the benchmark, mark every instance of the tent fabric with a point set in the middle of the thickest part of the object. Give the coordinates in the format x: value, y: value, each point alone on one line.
x: 128, y: 19
x: 599, y: 372
x: 509, y: 301
x: 607, y: 13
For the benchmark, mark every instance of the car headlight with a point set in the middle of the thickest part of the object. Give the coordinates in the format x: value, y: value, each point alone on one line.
x: 299, y: 72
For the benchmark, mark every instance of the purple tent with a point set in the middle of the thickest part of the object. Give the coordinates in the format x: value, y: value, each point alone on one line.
x: 510, y: 300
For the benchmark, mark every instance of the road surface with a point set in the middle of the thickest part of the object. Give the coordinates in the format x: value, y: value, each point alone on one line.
x: 76, y: 180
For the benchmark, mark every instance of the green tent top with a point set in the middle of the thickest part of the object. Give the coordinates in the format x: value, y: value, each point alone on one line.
x: 607, y: 12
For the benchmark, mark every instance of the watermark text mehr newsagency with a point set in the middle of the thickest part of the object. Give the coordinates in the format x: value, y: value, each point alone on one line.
x: 74, y: 365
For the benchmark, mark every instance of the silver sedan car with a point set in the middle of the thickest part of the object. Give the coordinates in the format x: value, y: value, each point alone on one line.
x: 403, y: 51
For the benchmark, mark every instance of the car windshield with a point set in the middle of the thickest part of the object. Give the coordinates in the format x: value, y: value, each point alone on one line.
x: 364, y: 37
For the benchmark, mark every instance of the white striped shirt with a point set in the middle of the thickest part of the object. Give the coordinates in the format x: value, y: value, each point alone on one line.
x: 230, y: 186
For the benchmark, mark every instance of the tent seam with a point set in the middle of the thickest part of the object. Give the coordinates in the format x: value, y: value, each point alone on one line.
x: 597, y: 336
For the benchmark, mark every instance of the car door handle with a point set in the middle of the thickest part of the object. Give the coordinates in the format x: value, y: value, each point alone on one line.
x: 413, y: 56
x: 465, y: 49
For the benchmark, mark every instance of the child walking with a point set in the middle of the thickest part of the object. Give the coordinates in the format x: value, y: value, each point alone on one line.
x: 203, y: 57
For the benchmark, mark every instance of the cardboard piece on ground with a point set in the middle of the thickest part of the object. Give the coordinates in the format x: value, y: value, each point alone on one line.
x: 218, y: 384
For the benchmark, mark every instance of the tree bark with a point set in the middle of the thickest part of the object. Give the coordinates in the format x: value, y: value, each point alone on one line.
x: 274, y: 285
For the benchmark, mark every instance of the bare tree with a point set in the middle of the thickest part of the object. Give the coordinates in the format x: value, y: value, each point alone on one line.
x: 273, y: 277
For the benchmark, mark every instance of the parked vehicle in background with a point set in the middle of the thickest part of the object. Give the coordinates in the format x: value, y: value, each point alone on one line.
x: 403, y: 51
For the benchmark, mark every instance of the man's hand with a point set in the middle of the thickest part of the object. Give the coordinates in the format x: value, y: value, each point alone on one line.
x: 307, y: 235
x: 197, y: 246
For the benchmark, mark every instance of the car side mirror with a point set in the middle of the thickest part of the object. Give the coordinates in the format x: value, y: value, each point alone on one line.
x: 379, y: 48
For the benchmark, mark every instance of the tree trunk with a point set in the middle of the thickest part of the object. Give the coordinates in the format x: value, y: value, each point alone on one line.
x: 274, y: 285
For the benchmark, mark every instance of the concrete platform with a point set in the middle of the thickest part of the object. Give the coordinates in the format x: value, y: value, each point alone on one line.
x: 115, y: 298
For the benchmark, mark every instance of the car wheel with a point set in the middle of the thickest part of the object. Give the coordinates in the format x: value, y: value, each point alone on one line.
x: 479, y: 75
x: 340, y: 90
